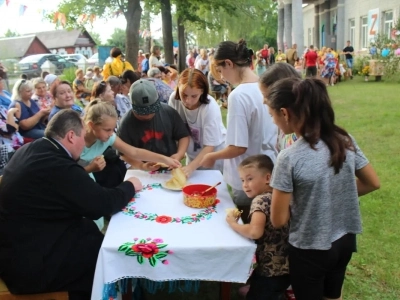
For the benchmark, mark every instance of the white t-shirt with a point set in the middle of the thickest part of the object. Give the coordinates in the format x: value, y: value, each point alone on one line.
x: 248, y: 125
x: 205, y: 125
x: 153, y: 61
x: 201, y: 62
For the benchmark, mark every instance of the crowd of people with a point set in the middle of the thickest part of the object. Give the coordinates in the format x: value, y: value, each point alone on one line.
x: 295, y: 175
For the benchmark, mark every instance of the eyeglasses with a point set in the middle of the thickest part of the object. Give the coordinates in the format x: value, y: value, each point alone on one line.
x: 21, y: 83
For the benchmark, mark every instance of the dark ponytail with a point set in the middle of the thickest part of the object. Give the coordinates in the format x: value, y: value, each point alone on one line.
x: 238, y: 53
x: 309, y: 102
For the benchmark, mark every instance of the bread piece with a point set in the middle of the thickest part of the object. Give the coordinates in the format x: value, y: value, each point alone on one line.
x: 179, y: 176
x: 178, y: 180
x: 173, y: 184
x: 236, y: 213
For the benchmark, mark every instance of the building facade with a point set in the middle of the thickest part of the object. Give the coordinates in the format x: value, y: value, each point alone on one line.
x: 331, y: 23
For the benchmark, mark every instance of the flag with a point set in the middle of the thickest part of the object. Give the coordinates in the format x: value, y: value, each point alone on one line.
x: 55, y: 18
x: 82, y: 18
x: 22, y: 9
x: 62, y: 19
x: 92, y: 18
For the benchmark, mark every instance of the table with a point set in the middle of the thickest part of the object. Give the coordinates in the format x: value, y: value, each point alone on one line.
x: 158, y: 238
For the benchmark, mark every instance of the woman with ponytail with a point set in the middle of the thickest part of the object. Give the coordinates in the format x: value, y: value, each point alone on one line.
x: 250, y: 129
x: 316, y: 184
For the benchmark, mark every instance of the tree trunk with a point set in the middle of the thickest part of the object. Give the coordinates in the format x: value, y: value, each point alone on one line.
x: 132, y: 16
x: 147, y: 40
x: 167, y: 31
x: 182, y: 45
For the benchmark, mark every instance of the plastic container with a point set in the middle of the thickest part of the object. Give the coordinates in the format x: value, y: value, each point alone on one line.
x: 192, y: 198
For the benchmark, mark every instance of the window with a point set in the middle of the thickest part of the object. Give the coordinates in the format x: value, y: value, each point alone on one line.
x: 388, y: 22
x: 352, y: 31
x: 364, y: 32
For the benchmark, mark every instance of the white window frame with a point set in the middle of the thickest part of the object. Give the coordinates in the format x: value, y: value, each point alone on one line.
x: 388, y: 23
x: 352, y: 33
x: 364, y: 32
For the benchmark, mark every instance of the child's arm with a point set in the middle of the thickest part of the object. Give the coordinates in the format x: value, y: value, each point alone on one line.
x: 254, y: 230
x: 142, y: 154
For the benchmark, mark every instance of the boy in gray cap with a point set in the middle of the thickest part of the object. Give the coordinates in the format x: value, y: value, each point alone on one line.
x: 152, y: 125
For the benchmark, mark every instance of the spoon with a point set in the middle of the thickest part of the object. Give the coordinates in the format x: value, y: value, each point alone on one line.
x: 209, y: 189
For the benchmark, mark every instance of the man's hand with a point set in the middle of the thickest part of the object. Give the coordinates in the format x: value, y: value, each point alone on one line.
x: 136, y: 183
x: 187, y: 170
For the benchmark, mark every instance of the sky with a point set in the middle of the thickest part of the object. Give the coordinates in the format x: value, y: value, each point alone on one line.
x: 33, y: 21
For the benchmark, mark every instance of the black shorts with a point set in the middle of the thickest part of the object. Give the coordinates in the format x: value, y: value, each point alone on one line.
x: 311, y: 71
x: 316, y: 274
x: 271, y: 288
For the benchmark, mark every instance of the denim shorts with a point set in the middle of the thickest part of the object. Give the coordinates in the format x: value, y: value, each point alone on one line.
x: 349, y: 62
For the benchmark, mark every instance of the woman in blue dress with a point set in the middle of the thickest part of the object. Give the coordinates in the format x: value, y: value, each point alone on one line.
x: 31, y: 117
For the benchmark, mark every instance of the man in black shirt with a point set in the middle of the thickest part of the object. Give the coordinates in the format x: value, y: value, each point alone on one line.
x: 153, y: 126
x: 349, y: 51
x: 48, y: 241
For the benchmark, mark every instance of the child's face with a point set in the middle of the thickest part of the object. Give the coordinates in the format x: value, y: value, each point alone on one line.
x: 254, y: 181
x: 104, y: 130
x: 280, y: 119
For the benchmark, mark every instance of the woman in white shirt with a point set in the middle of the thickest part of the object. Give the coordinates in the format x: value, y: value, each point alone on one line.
x: 250, y: 129
x: 202, y: 62
x: 203, y: 117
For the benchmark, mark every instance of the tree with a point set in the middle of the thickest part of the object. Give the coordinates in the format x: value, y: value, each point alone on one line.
x: 222, y: 25
x: 10, y: 33
x: 131, y: 10
x: 117, y: 39
x: 167, y: 31
x: 96, y: 37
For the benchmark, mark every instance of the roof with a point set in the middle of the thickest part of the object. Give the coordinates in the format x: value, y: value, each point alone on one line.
x: 61, y: 38
x: 16, y: 46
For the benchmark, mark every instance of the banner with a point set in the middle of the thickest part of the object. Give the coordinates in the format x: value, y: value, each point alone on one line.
x: 373, y: 23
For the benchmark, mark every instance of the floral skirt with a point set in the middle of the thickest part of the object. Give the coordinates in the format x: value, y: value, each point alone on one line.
x: 327, y: 72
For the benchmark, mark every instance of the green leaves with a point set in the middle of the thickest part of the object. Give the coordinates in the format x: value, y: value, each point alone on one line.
x: 152, y: 261
x: 140, y: 259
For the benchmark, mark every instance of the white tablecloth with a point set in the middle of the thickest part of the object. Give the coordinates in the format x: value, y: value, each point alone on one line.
x: 159, y: 238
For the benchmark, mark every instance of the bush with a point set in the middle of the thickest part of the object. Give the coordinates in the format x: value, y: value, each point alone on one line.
x: 68, y: 74
x: 359, y: 63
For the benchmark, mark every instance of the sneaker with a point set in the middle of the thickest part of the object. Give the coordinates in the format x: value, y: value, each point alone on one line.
x: 351, y: 77
x: 332, y: 84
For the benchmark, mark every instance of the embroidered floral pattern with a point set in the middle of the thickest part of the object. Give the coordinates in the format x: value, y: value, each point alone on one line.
x: 204, y: 214
x: 151, y: 249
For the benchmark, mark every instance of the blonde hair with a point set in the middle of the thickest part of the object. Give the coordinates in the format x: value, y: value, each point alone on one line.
x: 78, y: 71
x: 97, y: 110
x: 37, y: 81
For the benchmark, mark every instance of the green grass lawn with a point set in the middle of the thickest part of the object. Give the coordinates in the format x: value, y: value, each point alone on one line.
x: 370, y: 112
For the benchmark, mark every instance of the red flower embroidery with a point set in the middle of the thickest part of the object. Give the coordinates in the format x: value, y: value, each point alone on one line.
x: 147, y: 250
x: 163, y: 219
